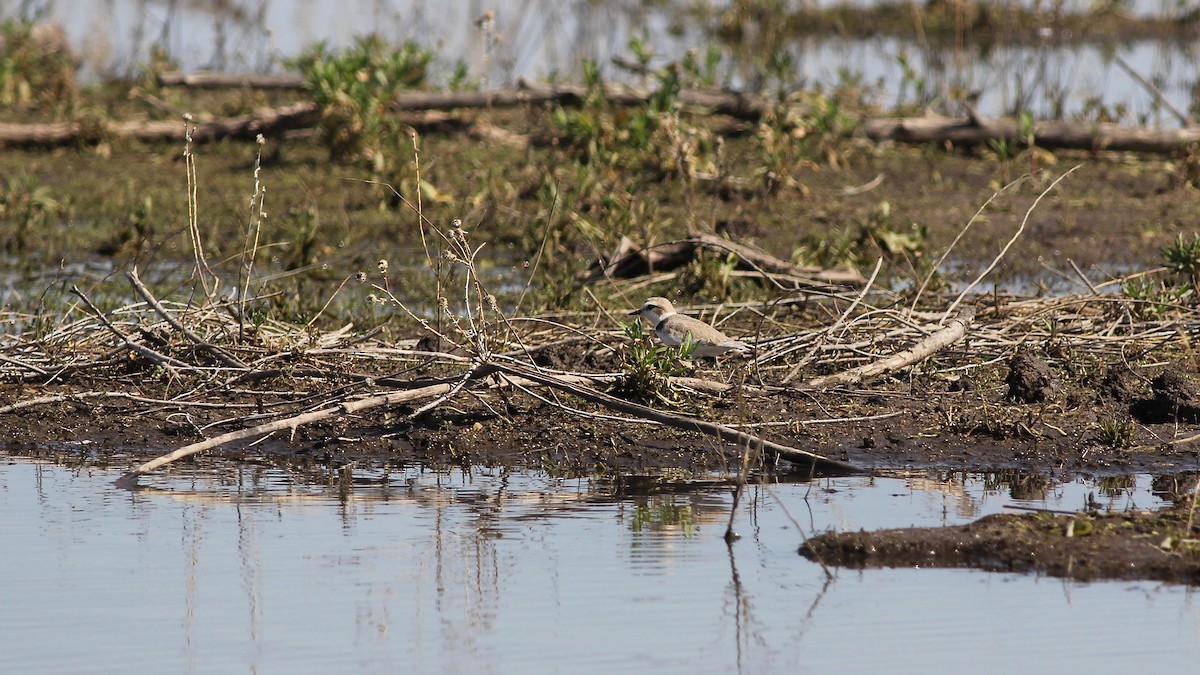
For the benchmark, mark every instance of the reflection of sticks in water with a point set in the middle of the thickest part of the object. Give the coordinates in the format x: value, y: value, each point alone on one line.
x: 803, y: 537
x: 741, y: 604
x: 812, y: 609
x: 1154, y: 90
x: 740, y: 487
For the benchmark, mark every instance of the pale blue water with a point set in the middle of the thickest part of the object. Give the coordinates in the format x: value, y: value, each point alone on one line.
x: 226, y: 569
x: 542, y: 38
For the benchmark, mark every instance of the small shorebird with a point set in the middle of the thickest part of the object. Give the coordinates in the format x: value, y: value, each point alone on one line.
x: 672, y: 327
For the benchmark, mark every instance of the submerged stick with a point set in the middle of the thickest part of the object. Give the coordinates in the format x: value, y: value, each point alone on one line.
x: 1154, y: 91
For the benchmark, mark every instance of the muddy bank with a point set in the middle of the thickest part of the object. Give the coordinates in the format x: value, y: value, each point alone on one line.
x: 1112, y: 422
x: 1161, y: 546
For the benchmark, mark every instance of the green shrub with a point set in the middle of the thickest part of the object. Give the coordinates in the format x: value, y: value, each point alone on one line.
x: 36, y: 65
x: 355, y: 89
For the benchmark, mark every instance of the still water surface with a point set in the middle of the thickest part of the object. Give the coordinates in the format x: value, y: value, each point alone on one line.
x: 538, y: 39
x: 223, y: 569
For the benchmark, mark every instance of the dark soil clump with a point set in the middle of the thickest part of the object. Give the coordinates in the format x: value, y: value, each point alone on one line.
x: 1175, y: 398
x: 1030, y: 379
x: 1119, y: 385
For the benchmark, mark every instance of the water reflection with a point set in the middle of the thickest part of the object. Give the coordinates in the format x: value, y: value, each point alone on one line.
x: 1176, y: 489
x: 219, y: 566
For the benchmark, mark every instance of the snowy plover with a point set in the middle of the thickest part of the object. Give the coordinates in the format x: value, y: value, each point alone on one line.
x: 672, y: 327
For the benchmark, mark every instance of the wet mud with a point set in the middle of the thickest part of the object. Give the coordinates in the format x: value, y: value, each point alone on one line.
x: 1159, y: 546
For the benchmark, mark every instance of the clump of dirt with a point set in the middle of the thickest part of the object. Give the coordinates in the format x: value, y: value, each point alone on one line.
x: 1030, y: 379
x: 1175, y: 398
x: 1162, y: 546
x: 1118, y: 384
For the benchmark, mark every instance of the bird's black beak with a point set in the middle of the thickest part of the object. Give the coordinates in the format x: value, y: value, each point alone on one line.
x: 635, y: 312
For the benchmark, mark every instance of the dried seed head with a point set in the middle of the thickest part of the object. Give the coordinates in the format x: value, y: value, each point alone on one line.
x: 361, y: 277
x: 383, y: 266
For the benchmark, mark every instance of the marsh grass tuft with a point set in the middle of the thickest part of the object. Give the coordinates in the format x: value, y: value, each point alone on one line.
x: 648, y: 368
x: 600, y: 132
x: 1116, y: 433
x: 712, y: 277
x: 1152, y: 299
x: 1182, y: 258
x: 30, y: 207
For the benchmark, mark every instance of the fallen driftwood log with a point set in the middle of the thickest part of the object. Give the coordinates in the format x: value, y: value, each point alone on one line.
x: 267, y: 121
x: 215, y: 80
x: 629, y: 260
x: 974, y: 130
x: 733, y: 104
x: 738, y: 105
x: 935, y: 342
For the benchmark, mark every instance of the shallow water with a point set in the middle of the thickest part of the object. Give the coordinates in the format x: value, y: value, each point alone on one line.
x: 222, y: 568
x: 541, y: 39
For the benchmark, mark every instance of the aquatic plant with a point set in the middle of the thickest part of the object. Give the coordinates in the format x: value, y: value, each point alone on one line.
x: 599, y: 131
